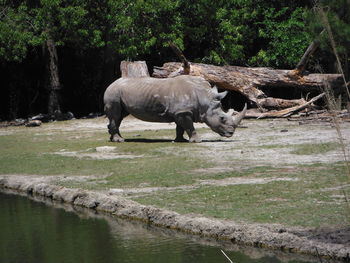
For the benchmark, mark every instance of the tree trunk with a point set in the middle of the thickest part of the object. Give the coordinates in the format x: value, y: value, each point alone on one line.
x: 308, y: 53
x: 55, y: 85
x: 305, y: 58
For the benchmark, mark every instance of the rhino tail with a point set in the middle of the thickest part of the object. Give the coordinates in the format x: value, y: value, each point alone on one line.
x: 115, y: 113
x: 107, y: 109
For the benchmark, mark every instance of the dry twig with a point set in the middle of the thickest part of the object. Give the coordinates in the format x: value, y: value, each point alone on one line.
x: 226, y: 256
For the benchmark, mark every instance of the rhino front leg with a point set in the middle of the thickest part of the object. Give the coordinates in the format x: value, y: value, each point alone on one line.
x: 180, y: 134
x: 184, y: 123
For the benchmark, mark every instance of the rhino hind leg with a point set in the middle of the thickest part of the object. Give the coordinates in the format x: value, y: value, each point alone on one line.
x: 184, y: 123
x: 113, y: 129
x: 115, y: 115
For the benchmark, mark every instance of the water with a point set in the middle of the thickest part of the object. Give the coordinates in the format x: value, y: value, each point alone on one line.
x: 32, y: 231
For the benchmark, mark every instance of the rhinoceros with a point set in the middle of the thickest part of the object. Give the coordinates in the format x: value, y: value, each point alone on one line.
x: 183, y: 99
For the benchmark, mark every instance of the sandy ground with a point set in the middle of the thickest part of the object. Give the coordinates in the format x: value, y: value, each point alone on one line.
x: 266, y: 142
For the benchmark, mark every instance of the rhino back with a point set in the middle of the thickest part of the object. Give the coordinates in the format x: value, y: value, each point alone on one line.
x: 158, y: 100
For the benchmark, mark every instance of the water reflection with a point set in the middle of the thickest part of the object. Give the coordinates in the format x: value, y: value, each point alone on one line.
x: 40, y: 232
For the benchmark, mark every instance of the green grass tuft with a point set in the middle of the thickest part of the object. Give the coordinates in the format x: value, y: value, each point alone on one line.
x: 317, y: 148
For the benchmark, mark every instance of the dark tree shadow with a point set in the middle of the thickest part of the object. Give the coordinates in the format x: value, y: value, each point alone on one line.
x: 219, y: 141
x: 145, y: 140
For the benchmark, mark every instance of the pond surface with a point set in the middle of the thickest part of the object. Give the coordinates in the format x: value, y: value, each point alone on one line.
x: 32, y: 231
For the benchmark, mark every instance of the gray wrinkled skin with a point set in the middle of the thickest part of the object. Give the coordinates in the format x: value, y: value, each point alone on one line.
x: 184, y: 100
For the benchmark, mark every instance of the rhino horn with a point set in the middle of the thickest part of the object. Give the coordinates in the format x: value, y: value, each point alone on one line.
x: 238, y: 118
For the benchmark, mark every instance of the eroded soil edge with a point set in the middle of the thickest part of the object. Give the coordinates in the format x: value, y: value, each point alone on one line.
x: 332, y: 244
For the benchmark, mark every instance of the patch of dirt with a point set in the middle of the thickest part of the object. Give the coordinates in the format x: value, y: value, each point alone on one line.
x: 222, y: 182
x: 263, y: 144
x: 5, y: 132
x: 245, y: 180
x: 99, y: 153
x: 336, y: 188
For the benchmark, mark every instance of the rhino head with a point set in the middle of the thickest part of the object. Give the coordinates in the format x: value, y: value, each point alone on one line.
x: 219, y: 121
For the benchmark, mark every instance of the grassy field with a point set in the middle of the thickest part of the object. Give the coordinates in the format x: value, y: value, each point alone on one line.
x: 281, y: 179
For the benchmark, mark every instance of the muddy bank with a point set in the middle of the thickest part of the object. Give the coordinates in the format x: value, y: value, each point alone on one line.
x: 141, y: 230
x: 331, y: 243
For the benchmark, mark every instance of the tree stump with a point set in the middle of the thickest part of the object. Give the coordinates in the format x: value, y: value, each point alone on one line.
x: 136, y: 69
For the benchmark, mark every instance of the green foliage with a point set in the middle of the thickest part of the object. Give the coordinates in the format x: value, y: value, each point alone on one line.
x: 260, y: 33
x: 334, y: 15
x: 24, y: 25
x: 234, y: 33
x: 140, y: 25
x: 284, y: 31
x: 131, y: 28
x: 13, y: 34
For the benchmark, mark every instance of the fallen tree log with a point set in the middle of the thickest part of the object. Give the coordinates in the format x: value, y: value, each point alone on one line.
x: 276, y: 103
x: 246, y: 81
x: 253, y: 82
x: 285, y: 112
x: 250, y: 81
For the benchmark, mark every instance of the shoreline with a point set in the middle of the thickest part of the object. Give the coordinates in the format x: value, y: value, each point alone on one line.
x: 269, y: 236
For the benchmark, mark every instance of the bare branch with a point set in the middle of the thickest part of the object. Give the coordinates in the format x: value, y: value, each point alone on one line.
x: 182, y: 57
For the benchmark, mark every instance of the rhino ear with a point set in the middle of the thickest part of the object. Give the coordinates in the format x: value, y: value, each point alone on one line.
x: 221, y: 95
x: 217, y: 95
